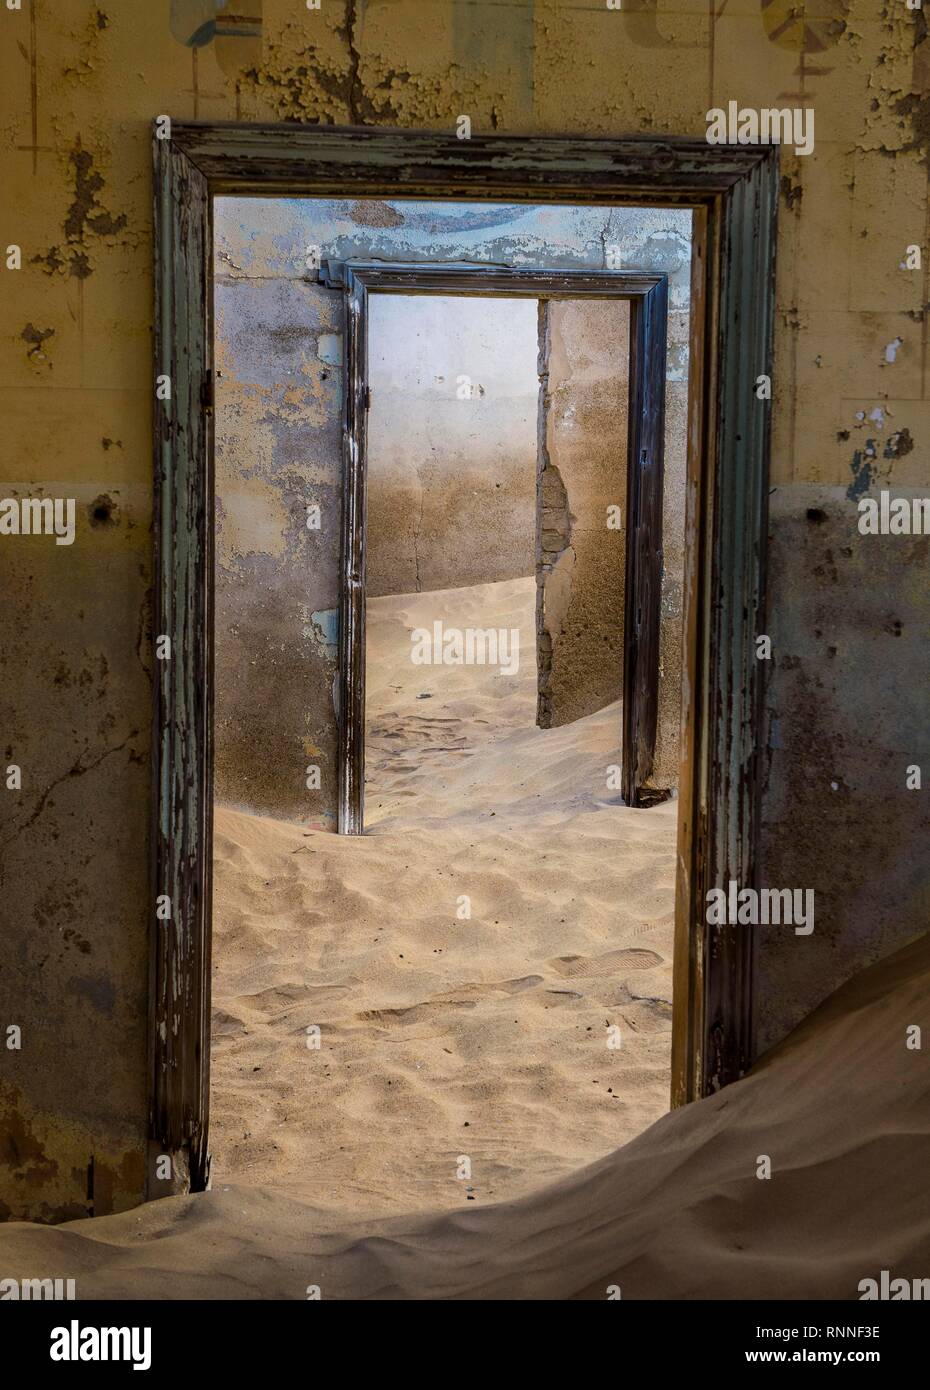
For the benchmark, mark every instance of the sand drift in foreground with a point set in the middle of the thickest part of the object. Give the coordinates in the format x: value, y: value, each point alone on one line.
x: 842, y: 1107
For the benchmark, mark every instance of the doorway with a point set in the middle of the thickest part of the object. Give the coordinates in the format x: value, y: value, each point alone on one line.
x: 732, y: 194
x: 642, y: 449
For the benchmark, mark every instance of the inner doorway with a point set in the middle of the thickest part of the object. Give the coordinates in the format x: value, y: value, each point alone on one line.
x: 640, y: 443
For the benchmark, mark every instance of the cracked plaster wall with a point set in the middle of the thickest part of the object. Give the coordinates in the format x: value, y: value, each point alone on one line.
x: 80, y: 87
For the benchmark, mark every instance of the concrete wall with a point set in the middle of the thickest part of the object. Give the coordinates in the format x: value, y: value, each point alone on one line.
x: 278, y: 453
x: 80, y: 87
x: 584, y: 351
x: 451, y: 477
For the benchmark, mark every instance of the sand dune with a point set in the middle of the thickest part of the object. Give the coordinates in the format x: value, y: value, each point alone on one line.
x: 842, y: 1107
x: 442, y: 1036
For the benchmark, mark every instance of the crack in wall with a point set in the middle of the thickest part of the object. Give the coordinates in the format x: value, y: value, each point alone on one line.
x: 77, y: 770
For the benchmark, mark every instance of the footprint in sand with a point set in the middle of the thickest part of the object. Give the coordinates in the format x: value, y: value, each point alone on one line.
x: 614, y: 962
x: 465, y: 997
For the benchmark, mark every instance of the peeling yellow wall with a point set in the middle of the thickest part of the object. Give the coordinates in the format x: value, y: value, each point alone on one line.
x: 81, y: 83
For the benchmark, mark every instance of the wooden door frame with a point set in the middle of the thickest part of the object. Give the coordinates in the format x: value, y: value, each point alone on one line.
x: 733, y: 191
x: 647, y: 295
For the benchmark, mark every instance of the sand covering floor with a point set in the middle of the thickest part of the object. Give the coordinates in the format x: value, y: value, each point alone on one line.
x: 443, y: 1037
x: 428, y: 1022
x: 842, y: 1107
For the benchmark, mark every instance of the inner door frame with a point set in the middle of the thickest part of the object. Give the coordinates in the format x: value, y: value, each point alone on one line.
x: 647, y: 295
x: 733, y: 191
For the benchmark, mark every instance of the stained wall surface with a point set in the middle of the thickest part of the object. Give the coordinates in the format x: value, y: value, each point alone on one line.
x: 81, y: 84
x: 451, y: 442
x: 846, y: 726
x: 278, y: 508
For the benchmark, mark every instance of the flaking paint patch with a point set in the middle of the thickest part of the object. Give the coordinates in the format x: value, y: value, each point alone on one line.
x: 863, y: 470
x: 899, y: 444
x: 914, y: 107
x: 87, y: 218
x: 87, y: 61
x: 303, y: 81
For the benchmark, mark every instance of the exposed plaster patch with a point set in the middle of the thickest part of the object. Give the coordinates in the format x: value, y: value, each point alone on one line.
x: 36, y: 337
x: 676, y: 368
x: 326, y: 629
x: 347, y: 32
x: 86, y: 211
x: 374, y: 213
x: 51, y: 261
x: 252, y: 520
x: 557, y: 594
x: 22, y: 1148
x: 329, y: 348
